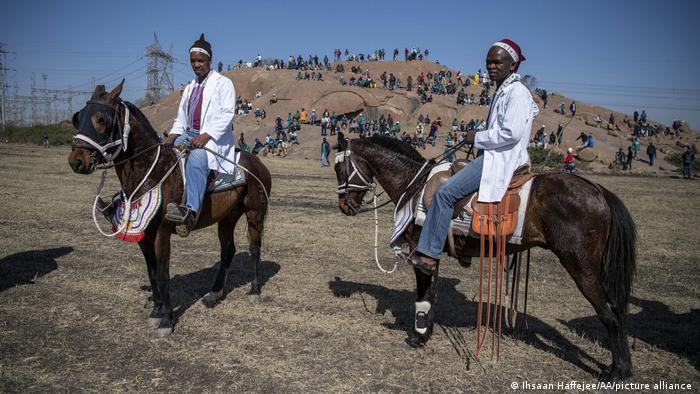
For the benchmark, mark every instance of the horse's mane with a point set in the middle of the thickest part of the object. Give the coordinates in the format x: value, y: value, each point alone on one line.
x: 404, y: 152
x: 134, y: 110
x: 397, y: 146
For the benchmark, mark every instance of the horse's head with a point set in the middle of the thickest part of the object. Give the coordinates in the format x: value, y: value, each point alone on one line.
x: 99, y: 136
x: 354, y: 177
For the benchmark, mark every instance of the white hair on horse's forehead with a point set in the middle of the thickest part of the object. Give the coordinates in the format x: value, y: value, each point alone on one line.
x: 340, y: 156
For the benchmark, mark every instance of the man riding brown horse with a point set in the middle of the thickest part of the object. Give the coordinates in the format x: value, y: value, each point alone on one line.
x: 586, y: 226
x: 203, y: 119
x: 115, y: 134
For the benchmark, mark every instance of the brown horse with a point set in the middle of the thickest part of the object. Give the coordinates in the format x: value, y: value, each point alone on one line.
x: 587, y: 227
x: 102, y: 123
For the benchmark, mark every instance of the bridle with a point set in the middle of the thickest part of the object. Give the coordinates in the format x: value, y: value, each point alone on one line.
x: 348, y: 186
x: 87, y: 133
x: 364, y: 183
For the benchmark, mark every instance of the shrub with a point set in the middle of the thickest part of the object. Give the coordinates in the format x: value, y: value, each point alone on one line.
x: 58, y: 134
x: 541, y: 157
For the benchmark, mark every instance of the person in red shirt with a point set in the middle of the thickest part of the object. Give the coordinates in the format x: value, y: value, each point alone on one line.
x: 569, y: 165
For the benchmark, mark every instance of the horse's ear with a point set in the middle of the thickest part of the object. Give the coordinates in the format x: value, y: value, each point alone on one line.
x: 76, y: 120
x: 100, y: 89
x: 342, y: 142
x: 114, y: 94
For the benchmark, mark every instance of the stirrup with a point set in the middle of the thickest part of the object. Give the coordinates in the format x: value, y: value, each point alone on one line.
x: 108, y: 209
x: 177, y: 213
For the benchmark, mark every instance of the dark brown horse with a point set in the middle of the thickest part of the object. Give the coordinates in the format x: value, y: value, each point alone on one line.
x: 102, y: 121
x: 587, y: 227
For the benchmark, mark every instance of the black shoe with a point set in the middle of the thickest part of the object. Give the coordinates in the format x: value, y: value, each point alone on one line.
x: 108, y: 210
x: 424, y: 264
x: 184, y: 218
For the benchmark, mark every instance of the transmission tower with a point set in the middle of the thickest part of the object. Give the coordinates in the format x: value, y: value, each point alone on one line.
x: 3, y: 110
x: 159, y: 71
x: 49, y: 97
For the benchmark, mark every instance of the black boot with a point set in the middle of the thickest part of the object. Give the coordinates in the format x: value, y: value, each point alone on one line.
x: 108, y: 209
x: 425, y: 264
x: 183, y: 217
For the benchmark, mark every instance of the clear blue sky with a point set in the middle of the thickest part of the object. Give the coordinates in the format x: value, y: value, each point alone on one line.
x: 626, y: 55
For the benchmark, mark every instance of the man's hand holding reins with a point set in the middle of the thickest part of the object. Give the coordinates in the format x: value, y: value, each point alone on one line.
x: 199, y: 141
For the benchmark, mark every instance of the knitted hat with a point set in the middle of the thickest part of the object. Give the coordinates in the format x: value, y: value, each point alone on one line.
x: 512, y: 48
x: 201, y: 46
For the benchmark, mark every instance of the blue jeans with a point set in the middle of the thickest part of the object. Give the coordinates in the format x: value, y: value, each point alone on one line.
x: 687, y: 170
x: 196, y: 171
x: 437, y: 221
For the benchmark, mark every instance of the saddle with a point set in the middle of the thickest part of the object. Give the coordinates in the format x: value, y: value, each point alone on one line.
x: 220, y: 182
x: 508, y: 207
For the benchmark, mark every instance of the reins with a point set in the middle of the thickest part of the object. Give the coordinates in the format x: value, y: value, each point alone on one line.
x: 127, y: 202
x: 122, y: 144
x: 132, y: 157
x: 347, y: 187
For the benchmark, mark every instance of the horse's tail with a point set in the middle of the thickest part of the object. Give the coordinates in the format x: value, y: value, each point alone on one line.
x: 620, y: 254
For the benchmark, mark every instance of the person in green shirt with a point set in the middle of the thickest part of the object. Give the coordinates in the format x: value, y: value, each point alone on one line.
x: 637, y: 147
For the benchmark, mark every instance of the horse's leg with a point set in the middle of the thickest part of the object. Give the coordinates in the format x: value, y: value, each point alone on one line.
x: 256, y: 219
x: 585, y: 266
x: 586, y: 273
x: 162, y: 252
x: 426, y: 294
x: 149, y: 253
x: 228, y: 251
x: 616, y: 324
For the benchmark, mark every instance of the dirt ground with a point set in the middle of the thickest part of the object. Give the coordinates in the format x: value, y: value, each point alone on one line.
x: 73, y: 311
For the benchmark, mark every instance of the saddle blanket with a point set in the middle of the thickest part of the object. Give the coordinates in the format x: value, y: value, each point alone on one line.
x: 223, y: 181
x: 415, y: 212
x: 141, y: 213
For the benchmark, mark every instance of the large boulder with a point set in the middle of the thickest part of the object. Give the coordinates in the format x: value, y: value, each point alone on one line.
x: 587, y: 154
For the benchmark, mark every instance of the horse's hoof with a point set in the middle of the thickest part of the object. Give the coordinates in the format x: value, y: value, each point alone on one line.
x: 254, y: 298
x: 212, y: 298
x: 613, y: 374
x: 165, y: 331
x: 414, y: 342
x: 154, y: 322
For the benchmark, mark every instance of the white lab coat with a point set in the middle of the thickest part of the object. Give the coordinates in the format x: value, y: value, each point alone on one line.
x: 505, y: 140
x: 218, y: 106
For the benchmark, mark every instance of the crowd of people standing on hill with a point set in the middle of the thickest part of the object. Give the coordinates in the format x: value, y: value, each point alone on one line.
x: 380, y: 54
x: 314, y: 62
x: 441, y: 83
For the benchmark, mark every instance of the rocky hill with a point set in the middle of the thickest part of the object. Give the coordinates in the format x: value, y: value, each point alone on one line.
x: 406, y: 107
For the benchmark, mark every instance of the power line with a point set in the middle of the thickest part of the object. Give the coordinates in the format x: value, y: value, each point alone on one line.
x: 674, y: 108
x: 616, y: 94
x: 113, y: 72
x: 624, y: 87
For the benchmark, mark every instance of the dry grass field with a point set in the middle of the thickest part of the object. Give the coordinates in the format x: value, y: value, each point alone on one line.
x: 73, y: 310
